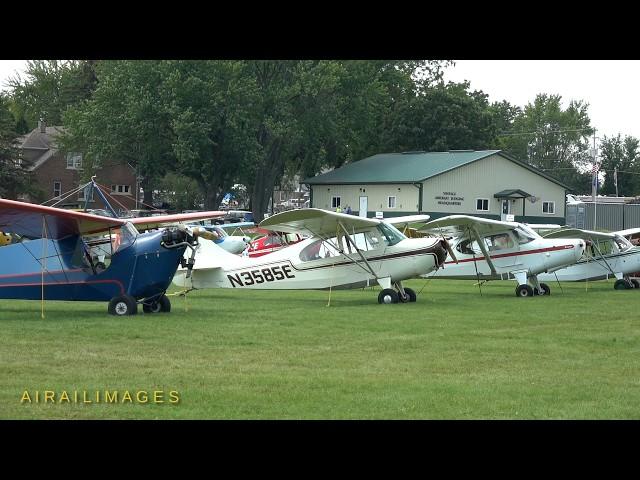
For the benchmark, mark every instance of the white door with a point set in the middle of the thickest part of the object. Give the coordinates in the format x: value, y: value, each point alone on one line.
x: 363, y: 206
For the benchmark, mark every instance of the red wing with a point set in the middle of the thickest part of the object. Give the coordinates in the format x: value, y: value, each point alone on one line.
x: 143, y: 223
x: 30, y: 220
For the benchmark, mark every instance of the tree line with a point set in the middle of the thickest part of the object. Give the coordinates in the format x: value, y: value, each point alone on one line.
x: 200, y: 127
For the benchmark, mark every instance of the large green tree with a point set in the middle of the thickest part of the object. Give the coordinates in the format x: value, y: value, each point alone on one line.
x: 621, y: 156
x: 49, y: 87
x: 552, y: 138
x: 14, y: 176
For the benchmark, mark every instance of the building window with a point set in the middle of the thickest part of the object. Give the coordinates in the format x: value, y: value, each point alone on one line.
x: 391, y: 202
x: 74, y: 161
x: 335, y: 202
x: 57, y: 189
x: 122, y: 189
x: 549, y: 207
x: 482, y: 204
x: 82, y: 194
x: 283, y: 196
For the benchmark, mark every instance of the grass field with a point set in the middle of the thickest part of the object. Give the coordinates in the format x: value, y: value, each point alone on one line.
x: 285, y: 355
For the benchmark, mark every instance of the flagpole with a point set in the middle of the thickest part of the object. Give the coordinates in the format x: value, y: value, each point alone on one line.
x: 594, y: 184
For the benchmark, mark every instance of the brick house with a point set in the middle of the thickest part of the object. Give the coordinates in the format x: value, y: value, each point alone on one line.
x: 56, y: 173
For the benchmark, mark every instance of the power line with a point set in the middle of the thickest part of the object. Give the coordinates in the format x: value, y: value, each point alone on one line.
x: 505, y: 134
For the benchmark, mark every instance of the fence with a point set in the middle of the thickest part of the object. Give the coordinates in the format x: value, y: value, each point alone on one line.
x: 609, y: 216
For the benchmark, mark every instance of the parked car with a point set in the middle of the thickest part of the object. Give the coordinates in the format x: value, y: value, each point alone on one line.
x: 235, y: 216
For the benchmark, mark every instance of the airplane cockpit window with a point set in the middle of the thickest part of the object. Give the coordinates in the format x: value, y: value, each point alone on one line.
x: 391, y: 234
x: 500, y: 241
x: 318, y: 250
x: 219, y: 231
x: 622, y: 243
x: 272, y: 240
x: 466, y: 247
x: 522, y: 236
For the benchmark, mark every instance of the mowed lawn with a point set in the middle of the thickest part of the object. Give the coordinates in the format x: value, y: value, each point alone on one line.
x: 243, y: 354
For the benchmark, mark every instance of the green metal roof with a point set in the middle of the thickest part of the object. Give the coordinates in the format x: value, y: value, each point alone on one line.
x: 513, y: 193
x: 408, y: 167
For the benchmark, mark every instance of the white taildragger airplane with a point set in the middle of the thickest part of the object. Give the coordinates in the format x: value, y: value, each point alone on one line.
x: 607, y: 254
x: 494, y: 250
x: 343, y: 251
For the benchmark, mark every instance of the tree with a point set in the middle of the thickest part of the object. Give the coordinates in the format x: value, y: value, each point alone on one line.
x: 49, y: 88
x: 622, y: 156
x: 441, y: 117
x: 553, y: 139
x: 14, y: 176
x: 125, y: 120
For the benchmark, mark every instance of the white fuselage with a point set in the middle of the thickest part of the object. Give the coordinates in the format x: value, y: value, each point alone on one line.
x: 617, y: 263
x: 303, y: 266
x: 536, y: 256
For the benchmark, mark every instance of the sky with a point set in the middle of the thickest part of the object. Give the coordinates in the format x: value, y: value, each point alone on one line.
x: 610, y: 87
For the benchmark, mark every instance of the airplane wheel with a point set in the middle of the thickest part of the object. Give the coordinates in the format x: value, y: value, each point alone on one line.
x: 621, y: 285
x: 123, y: 305
x: 411, y: 296
x: 165, y: 304
x: 636, y: 283
x: 545, y: 288
x: 388, y: 296
x: 524, y: 291
x: 161, y: 305
x: 100, y: 267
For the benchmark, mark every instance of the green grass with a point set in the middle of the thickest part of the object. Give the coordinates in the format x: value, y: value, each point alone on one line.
x: 285, y: 355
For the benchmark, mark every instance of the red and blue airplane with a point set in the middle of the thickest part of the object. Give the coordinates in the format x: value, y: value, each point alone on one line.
x: 48, y: 257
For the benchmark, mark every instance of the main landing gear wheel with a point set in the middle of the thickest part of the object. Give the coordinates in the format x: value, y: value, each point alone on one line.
x: 524, y: 291
x: 545, y: 289
x: 622, y: 284
x: 123, y: 305
x: 410, y: 296
x: 388, y: 296
x: 161, y: 305
x: 636, y: 283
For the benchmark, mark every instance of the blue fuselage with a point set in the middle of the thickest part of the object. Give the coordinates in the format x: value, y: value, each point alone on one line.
x: 57, y: 270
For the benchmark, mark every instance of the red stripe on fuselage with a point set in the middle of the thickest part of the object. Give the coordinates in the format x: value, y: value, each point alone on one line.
x: 526, y: 252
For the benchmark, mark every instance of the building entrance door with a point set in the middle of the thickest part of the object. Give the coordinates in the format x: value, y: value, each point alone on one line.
x: 506, y: 209
x: 363, y: 207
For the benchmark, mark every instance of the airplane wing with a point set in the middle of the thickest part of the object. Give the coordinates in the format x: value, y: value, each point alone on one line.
x: 407, y: 220
x: 628, y: 232
x: 31, y: 220
x: 146, y: 223
x: 457, y: 225
x: 316, y: 222
x: 578, y: 233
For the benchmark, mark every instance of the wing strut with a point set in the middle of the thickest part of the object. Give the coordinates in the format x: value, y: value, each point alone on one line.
x: 483, y: 247
x: 350, y: 240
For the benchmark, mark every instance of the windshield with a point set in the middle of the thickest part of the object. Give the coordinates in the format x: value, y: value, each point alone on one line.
x: 391, y: 234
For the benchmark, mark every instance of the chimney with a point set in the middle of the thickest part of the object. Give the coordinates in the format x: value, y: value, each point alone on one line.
x: 42, y: 125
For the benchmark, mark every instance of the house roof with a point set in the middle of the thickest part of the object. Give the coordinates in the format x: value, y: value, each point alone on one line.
x: 410, y: 167
x: 42, y: 143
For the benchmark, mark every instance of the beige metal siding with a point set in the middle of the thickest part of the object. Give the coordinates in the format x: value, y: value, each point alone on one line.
x: 460, y: 188
x: 406, y: 196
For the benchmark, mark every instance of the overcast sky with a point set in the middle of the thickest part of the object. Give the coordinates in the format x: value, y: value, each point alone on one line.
x: 610, y: 87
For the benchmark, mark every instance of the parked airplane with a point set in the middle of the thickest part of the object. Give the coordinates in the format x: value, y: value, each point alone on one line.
x: 343, y: 251
x: 607, y: 254
x: 494, y: 250
x: 48, y: 258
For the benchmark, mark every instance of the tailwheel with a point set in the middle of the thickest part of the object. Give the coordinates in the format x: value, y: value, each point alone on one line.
x: 388, y: 296
x: 524, y: 291
x: 409, y: 296
x: 123, y: 305
x: 161, y: 305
